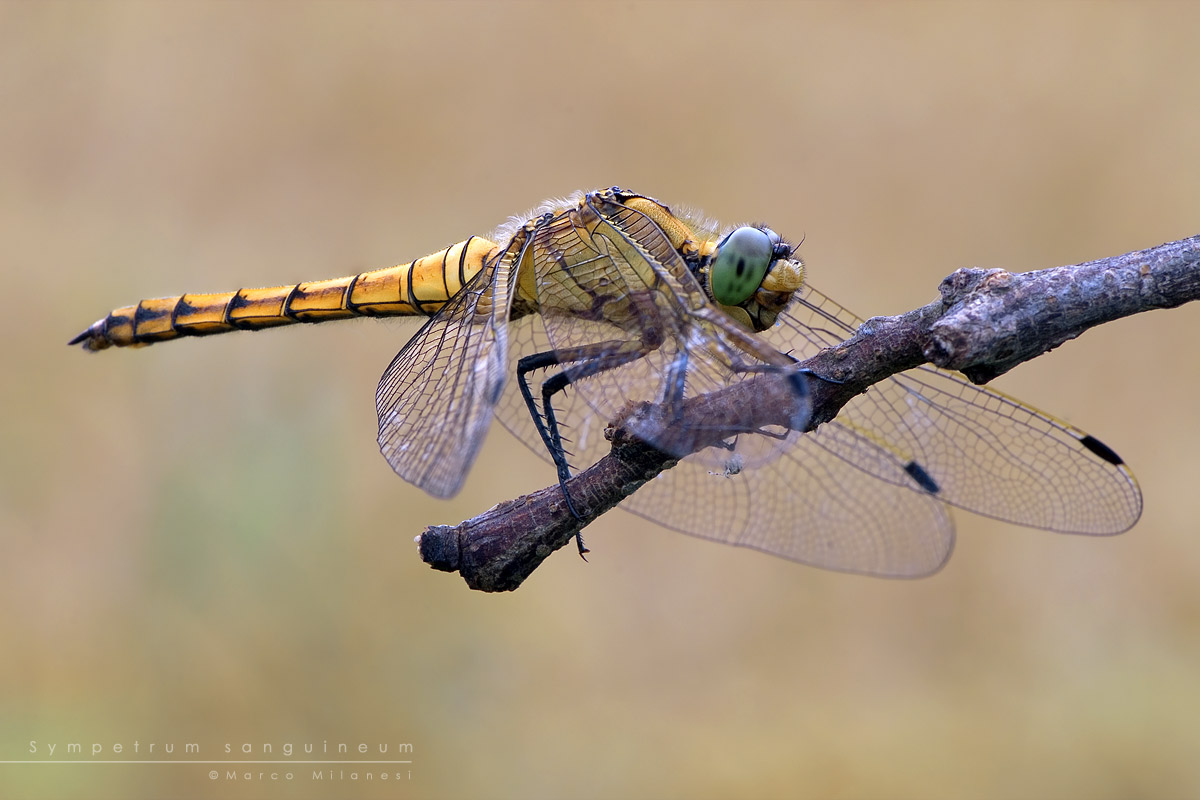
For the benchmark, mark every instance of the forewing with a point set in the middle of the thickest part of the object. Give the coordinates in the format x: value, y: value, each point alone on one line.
x: 435, y: 400
x: 987, y: 452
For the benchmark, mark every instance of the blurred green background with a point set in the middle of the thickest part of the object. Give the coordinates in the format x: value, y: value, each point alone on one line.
x: 201, y: 542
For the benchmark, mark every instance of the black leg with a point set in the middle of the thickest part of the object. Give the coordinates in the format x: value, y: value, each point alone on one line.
x: 585, y: 362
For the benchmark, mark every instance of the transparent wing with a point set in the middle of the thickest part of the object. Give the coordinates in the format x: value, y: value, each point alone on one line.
x: 987, y: 452
x: 435, y: 400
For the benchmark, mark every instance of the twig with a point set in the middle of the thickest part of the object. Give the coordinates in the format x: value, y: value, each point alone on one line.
x: 986, y: 323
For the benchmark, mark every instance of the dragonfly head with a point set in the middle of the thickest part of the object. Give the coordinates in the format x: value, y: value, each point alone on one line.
x: 752, y: 276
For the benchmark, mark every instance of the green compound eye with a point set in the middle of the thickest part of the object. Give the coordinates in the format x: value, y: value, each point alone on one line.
x: 742, y: 263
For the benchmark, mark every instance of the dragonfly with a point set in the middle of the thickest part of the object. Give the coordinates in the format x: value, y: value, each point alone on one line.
x: 563, y: 320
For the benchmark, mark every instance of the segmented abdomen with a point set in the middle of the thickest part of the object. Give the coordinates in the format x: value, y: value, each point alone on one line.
x: 419, y: 288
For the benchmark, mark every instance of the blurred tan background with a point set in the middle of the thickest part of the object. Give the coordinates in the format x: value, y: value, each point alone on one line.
x: 201, y: 543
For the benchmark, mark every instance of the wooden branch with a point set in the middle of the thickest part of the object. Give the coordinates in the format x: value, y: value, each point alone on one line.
x: 986, y: 323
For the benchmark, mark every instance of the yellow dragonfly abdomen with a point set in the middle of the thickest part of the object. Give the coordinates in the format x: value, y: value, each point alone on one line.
x: 419, y: 288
